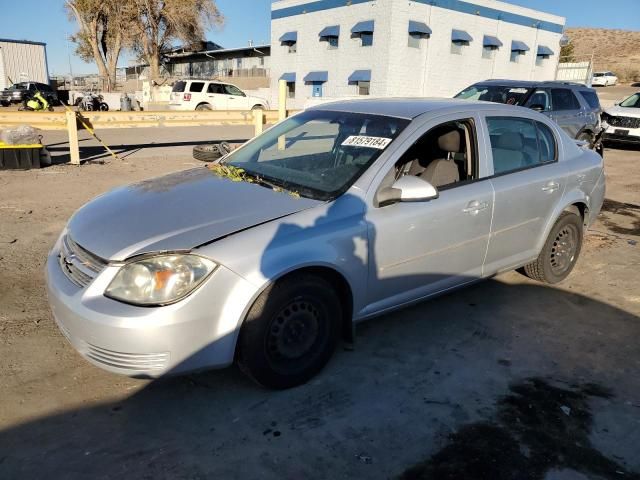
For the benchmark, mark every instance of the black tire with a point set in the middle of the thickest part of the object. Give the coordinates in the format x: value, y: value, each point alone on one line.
x: 290, y: 332
x: 103, y: 107
x: 204, y: 107
x: 210, y: 153
x: 256, y: 107
x: 560, y: 252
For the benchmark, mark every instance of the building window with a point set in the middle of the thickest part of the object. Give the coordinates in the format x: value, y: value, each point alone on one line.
x: 515, y: 56
x: 457, y: 47
x: 414, y: 40
x: 540, y: 60
x: 364, y: 88
x: 316, y: 89
x: 367, y: 39
x: 292, y: 47
x: 332, y: 43
x: 489, y: 52
x: 291, y: 89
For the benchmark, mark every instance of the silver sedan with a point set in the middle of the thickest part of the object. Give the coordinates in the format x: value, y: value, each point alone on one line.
x: 345, y: 211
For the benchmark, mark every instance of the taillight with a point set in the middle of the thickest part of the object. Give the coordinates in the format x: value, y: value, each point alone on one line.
x: 187, y: 97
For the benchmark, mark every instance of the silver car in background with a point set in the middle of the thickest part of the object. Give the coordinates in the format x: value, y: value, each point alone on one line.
x: 340, y: 213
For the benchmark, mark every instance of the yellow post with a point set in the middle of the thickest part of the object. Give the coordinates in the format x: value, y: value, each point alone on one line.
x: 258, y: 120
x: 72, y: 129
x: 282, y: 100
x: 282, y: 110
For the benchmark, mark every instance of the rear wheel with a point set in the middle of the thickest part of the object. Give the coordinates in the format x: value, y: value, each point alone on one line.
x: 203, y: 107
x: 290, y: 331
x: 560, y: 251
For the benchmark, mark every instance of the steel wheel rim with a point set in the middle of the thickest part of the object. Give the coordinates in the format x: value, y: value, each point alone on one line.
x: 564, y: 249
x: 294, y: 331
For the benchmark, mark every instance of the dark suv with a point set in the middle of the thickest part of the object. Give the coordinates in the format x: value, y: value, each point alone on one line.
x: 573, y: 106
x: 16, y: 93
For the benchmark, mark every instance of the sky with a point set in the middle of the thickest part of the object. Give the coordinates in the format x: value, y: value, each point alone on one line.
x: 249, y: 20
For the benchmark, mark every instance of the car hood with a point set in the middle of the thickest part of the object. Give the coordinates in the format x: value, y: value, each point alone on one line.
x: 179, y: 211
x: 618, y: 111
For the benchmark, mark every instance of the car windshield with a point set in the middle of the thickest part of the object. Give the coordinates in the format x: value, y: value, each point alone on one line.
x: 20, y: 86
x: 598, y: 74
x: 317, y: 154
x: 633, y: 101
x: 496, y: 94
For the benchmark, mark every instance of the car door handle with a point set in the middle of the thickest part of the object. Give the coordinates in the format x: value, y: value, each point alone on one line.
x: 551, y: 187
x: 474, y: 207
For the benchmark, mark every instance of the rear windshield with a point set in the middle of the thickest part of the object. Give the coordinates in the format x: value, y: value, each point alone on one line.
x: 598, y: 74
x: 591, y: 98
x: 496, y: 94
x: 179, y: 86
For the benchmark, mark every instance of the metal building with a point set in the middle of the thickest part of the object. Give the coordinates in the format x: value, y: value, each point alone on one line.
x: 21, y: 61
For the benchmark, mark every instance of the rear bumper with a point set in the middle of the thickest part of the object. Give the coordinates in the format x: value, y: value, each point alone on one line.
x: 199, y: 332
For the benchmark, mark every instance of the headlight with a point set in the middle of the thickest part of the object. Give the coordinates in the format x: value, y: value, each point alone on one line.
x: 159, y: 280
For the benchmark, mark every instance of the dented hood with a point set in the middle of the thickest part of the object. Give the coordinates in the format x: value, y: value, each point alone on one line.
x: 176, y: 212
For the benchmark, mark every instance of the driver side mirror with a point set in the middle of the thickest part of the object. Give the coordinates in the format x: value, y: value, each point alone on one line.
x: 537, y: 107
x: 407, y: 189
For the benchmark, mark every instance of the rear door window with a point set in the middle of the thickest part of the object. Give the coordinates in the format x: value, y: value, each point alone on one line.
x: 591, y: 98
x: 196, y: 87
x: 215, y: 88
x: 564, y: 99
x: 547, y: 144
x: 514, y: 144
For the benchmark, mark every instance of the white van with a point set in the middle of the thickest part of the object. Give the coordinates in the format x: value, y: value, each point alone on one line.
x: 209, y: 95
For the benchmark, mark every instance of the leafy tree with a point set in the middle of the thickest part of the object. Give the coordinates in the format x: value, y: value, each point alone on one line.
x: 567, y: 53
x: 105, y: 28
x: 160, y: 22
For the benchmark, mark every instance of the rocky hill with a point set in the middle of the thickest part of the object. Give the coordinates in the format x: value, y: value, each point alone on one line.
x: 615, y: 50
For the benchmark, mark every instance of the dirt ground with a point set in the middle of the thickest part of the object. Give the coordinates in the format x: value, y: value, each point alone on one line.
x: 511, y: 377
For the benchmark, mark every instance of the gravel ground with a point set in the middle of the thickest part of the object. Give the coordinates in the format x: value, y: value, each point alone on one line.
x: 509, y: 372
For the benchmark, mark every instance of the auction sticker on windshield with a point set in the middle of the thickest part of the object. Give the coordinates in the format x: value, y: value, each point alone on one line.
x: 363, y: 141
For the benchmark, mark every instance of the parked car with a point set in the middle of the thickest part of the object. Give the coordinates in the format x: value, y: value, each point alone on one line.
x: 573, y: 106
x: 604, y: 79
x: 207, y: 95
x: 622, y: 122
x: 18, y: 91
x: 340, y: 213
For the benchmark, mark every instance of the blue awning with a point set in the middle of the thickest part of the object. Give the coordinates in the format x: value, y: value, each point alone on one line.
x: 419, y: 28
x: 333, y: 31
x: 289, y: 37
x: 289, y: 77
x: 363, y: 27
x: 542, y: 50
x: 517, y: 46
x: 460, y: 36
x: 317, y: 77
x: 490, y: 41
x: 360, y: 76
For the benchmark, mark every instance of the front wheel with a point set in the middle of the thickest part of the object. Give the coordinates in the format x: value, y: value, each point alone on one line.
x: 290, y: 331
x: 560, y: 251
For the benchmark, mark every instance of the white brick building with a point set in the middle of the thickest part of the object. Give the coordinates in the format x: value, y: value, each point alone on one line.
x: 417, y: 47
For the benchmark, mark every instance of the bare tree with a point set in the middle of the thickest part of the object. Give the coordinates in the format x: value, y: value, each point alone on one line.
x: 105, y: 28
x: 160, y: 22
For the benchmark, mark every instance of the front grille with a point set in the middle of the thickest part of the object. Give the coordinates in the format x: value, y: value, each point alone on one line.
x: 79, y: 265
x: 624, y: 122
x: 127, y: 361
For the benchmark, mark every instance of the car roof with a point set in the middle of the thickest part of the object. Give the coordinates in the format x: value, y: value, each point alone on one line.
x: 407, y: 108
x: 532, y: 83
